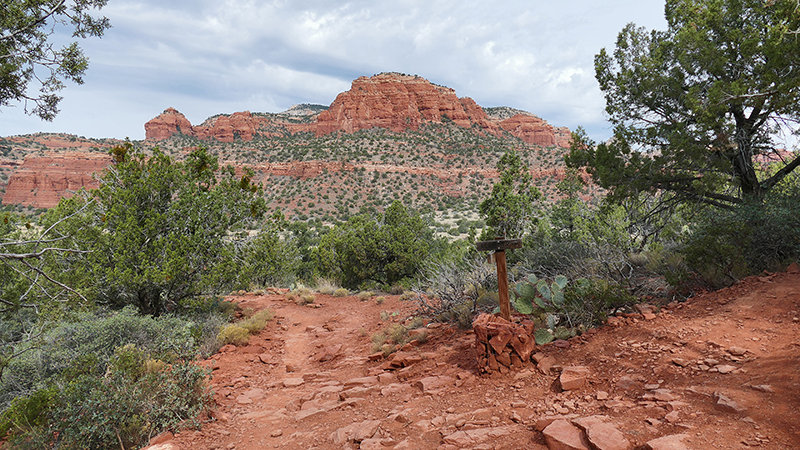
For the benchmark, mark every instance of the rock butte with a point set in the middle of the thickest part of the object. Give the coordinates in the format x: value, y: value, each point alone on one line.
x: 392, y: 101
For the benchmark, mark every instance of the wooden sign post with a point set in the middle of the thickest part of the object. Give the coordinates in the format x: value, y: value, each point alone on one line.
x: 499, y: 247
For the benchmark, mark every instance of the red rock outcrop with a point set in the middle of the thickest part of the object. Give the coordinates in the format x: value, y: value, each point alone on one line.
x: 397, y: 102
x: 169, y: 122
x: 563, y: 136
x: 41, y: 181
x: 224, y: 128
x: 530, y: 129
x: 389, y: 100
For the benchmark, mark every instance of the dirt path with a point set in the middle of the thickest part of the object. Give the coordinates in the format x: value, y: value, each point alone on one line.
x: 721, y: 370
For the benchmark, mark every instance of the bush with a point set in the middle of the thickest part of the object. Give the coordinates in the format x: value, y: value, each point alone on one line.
x: 327, y: 287
x: 93, y: 337
x: 127, y: 405
x: 234, y: 334
x: 239, y: 333
x: 305, y: 299
x: 727, y: 245
x: 341, y: 292
x: 257, y: 321
x: 588, y: 301
x: 365, y: 295
x: 457, y: 291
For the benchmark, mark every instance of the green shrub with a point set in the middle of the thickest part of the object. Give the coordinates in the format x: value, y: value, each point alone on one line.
x: 589, y: 301
x: 365, y: 295
x: 341, y: 292
x: 92, y: 337
x: 123, y: 408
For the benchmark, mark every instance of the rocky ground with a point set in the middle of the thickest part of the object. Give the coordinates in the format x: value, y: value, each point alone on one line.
x: 721, y: 370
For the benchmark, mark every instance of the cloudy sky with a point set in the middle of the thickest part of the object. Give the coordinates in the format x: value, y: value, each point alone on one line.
x: 221, y: 56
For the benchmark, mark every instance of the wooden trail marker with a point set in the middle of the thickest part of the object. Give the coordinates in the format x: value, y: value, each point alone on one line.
x: 499, y: 247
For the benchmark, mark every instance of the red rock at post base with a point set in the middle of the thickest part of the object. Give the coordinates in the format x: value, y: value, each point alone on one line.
x: 43, y: 180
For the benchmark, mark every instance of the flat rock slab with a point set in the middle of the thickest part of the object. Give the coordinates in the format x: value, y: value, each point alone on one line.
x: 672, y: 442
x: 430, y: 384
x: 723, y: 403
x: 562, y: 435
x: 574, y: 377
x: 471, y: 438
x: 293, y: 382
x: 604, y: 436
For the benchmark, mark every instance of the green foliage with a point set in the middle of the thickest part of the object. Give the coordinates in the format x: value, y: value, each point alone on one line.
x: 89, y: 340
x: 127, y: 406
x: 588, y: 301
x: 383, y: 251
x: 156, y: 230
x: 754, y: 237
x: 509, y: 208
x: 26, y: 56
x: 270, y: 258
x: 131, y: 372
x: 695, y: 106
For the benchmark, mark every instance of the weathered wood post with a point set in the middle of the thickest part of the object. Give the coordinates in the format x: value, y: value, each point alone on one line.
x: 499, y: 247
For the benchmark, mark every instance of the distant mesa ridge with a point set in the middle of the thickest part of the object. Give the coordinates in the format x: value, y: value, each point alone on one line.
x: 392, y: 101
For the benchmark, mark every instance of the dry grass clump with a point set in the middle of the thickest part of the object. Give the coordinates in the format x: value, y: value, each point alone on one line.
x: 305, y: 299
x: 365, y: 295
x: 326, y: 286
x: 380, y: 299
x: 233, y: 334
x: 301, y: 295
x: 405, y: 296
x: 397, y: 335
x: 239, y: 333
x: 341, y: 292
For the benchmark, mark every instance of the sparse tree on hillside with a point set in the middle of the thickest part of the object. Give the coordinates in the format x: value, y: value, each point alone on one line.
x: 695, y: 107
x: 26, y: 56
x: 157, y: 230
x: 509, y: 209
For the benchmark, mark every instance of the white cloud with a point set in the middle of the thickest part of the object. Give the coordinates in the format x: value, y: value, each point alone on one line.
x: 208, y: 57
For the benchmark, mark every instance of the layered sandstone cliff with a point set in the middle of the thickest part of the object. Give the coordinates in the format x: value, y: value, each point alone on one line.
x: 42, y: 181
x: 392, y: 101
x: 397, y: 102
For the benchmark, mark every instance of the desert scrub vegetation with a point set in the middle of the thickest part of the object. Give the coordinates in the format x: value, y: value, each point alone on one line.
x: 239, y: 333
x: 134, y: 372
x: 301, y: 295
x: 397, y: 335
x: 365, y: 295
x: 456, y: 291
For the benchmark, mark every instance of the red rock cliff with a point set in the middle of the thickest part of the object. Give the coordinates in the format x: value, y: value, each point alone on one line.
x: 224, y: 128
x: 388, y: 100
x: 41, y: 181
x: 397, y: 102
x: 530, y: 129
